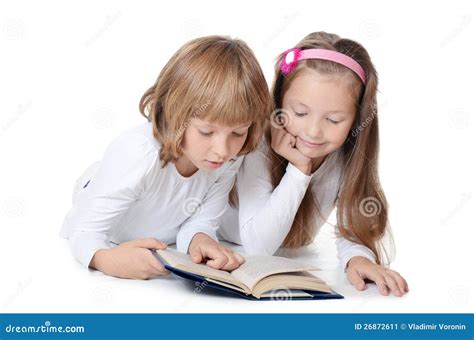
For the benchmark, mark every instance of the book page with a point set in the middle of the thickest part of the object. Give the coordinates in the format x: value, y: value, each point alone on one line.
x: 257, y: 267
x: 288, y: 281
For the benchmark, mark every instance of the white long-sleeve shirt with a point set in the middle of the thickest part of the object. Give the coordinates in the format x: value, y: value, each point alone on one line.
x: 130, y: 196
x: 265, y: 214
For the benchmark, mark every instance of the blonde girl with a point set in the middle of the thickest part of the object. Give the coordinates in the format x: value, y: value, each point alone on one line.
x: 168, y: 179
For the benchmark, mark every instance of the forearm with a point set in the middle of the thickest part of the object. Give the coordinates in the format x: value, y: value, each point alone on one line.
x: 84, y: 246
x: 263, y: 231
x: 348, y: 250
x: 99, y: 261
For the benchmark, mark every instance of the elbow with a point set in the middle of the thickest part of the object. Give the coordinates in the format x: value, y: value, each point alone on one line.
x: 256, y: 242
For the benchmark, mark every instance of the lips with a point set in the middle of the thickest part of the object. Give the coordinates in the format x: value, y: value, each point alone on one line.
x: 214, y: 164
x: 311, y: 144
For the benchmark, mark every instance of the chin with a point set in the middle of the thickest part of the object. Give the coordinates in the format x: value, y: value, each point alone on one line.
x: 312, y: 153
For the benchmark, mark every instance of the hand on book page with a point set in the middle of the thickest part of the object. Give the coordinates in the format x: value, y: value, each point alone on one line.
x: 183, y: 262
x: 205, y: 249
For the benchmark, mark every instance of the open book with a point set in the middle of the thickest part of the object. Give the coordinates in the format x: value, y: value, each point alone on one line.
x: 260, y: 277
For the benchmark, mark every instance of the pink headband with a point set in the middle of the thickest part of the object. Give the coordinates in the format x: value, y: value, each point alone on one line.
x: 292, y: 56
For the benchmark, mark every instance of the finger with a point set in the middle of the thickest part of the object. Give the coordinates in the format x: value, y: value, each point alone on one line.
x: 217, y: 258
x: 149, y: 270
x: 230, y: 265
x: 152, y: 273
x: 288, y: 140
x: 380, y: 282
x: 149, y: 243
x: 156, y: 272
x: 392, y: 284
x: 288, y: 132
x: 355, y: 279
x: 402, y: 283
x: 291, y: 141
x: 232, y: 262
x: 275, y: 132
x: 156, y: 266
x: 239, y: 258
x: 376, y: 276
x: 196, y: 255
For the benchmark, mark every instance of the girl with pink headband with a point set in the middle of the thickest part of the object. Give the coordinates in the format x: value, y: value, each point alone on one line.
x: 320, y: 152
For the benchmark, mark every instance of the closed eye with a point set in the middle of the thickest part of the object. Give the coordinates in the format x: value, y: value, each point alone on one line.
x: 332, y: 121
x: 205, y: 133
x: 300, y: 114
x: 238, y: 134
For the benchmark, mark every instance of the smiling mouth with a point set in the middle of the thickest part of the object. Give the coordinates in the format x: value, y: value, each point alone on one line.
x: 309, y: 144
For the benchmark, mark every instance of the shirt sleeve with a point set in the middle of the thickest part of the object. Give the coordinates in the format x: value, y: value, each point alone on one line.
x: 347, y: 249
x: 208, y: 215
x: 117, y: 184
x: 266, y: 214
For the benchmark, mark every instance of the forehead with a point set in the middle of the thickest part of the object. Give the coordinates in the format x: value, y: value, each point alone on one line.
x: 320, y: 92
x: 214, y: 124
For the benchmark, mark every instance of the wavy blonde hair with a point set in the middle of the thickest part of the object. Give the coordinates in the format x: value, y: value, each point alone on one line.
x: 215, y: 78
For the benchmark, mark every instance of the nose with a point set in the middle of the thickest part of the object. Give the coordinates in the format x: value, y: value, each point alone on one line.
x: 221, y: 148
x: 314, y: 130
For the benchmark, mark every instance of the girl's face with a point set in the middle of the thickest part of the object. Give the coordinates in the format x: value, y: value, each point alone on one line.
x: 207, y: 146
x: 321, y: 112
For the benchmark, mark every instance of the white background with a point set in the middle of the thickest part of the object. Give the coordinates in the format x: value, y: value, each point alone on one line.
x: 71, y: 76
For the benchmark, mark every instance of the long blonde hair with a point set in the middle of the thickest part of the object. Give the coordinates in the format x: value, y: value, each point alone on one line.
x: 362, y: 210
x: 215, y: 78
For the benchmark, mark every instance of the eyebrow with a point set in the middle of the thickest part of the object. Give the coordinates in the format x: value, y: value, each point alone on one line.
x: 327, y: 112
x: 300, y: 103
x: 337, y: 111
x: 236, y: 128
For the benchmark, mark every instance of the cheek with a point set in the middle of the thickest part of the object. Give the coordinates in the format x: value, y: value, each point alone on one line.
x: 295, y: 124
x: 339, y: 135
x: 193, y: 142
x: 237, y: 144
